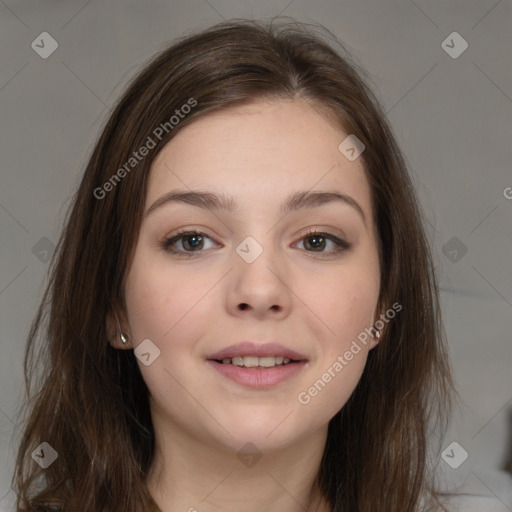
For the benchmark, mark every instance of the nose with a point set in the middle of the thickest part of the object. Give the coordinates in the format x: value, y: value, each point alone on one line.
x: 259, y: 288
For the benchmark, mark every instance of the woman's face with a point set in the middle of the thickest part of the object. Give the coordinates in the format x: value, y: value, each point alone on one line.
x: 254, y: 274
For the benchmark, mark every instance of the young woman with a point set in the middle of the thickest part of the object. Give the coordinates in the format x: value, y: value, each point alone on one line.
x: 242, y: 312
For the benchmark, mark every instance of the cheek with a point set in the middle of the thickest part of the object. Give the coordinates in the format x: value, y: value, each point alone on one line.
x: 342, y: 352
x: 164, y: 304
x: 343, y: 304
x: 331, y: 388
x: 353, y: 315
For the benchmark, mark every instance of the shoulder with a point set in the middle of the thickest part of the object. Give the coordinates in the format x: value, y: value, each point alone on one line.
x: 491, y: 492
x: 474, y: 503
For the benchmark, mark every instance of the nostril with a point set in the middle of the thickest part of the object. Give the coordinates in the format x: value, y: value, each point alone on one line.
x: 243, y: 306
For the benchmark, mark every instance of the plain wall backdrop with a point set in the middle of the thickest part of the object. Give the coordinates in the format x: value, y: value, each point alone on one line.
x: 450, y: 107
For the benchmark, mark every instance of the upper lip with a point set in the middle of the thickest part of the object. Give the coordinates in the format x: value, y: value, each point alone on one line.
x: 249, y: 348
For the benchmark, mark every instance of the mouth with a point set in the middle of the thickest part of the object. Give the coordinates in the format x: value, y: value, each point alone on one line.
x: 257, y: 365
x: 257, y: 362
x: 251, y: 354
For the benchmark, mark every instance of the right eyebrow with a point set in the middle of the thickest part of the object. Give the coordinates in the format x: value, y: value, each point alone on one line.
x: 207, y: 200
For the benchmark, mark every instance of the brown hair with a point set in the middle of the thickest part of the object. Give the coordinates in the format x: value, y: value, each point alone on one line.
x: 89, y: 401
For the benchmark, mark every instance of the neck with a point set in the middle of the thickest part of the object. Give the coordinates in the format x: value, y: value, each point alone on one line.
x: 192, y: 475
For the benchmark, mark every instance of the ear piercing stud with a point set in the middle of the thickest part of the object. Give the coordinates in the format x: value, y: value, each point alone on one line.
x: 124, y: 339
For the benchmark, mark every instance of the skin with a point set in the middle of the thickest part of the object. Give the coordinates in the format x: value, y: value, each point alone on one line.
x: 191, y: 307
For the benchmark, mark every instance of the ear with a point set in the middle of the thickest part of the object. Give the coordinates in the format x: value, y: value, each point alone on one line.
x: 377, y: 333
x: 374, y: 341
x: 116, y: 324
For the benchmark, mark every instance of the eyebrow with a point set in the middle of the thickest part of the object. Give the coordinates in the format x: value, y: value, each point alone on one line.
x: 296, y: 201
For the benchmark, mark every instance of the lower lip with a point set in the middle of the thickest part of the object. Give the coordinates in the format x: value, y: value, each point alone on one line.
x: 258, y: 377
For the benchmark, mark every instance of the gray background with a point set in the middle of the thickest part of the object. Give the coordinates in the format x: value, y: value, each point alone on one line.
x: 451, y: 117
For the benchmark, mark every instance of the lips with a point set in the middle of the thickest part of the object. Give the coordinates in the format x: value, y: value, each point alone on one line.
x: 257, y: 365
x: 248, y: 348
x: 258, y: 378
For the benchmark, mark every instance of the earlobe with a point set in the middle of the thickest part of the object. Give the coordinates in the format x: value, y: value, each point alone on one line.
x: 375, y: 339
x: 117, y: 336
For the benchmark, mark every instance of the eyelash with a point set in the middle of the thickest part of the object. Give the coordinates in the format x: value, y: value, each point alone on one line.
x: 167, y: 244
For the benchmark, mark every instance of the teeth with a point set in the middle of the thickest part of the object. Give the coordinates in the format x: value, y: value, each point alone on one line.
x: 238, y: 361
x: 267, y: 362
x: 253, y: 361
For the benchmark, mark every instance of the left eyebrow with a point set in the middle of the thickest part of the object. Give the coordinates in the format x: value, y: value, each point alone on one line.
x: 308, y: 199
x: 296, y: 201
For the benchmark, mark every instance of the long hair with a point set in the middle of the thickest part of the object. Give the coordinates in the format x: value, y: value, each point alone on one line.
x: 89, y: 401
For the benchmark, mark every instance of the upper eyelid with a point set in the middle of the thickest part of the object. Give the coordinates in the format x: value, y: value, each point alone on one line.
x: 192, y: 231
x: 311, y: 232
x: 189, y: 232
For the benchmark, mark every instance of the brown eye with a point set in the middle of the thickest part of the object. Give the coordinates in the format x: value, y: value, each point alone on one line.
x: 192, y: 242
x: 186, y: 242
x: 318, y: 242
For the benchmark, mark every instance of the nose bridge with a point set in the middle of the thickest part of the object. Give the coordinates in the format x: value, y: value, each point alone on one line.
x: 259, y: 276
x: 255, y: 256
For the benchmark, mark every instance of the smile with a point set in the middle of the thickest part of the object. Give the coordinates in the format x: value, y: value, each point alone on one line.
x: 257, y: 362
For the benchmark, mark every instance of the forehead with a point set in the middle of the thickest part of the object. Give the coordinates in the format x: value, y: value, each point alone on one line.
x: 262, y: 150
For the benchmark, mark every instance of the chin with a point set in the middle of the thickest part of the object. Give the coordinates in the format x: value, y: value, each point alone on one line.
x: 266, y: 432
x: 257, y: 442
